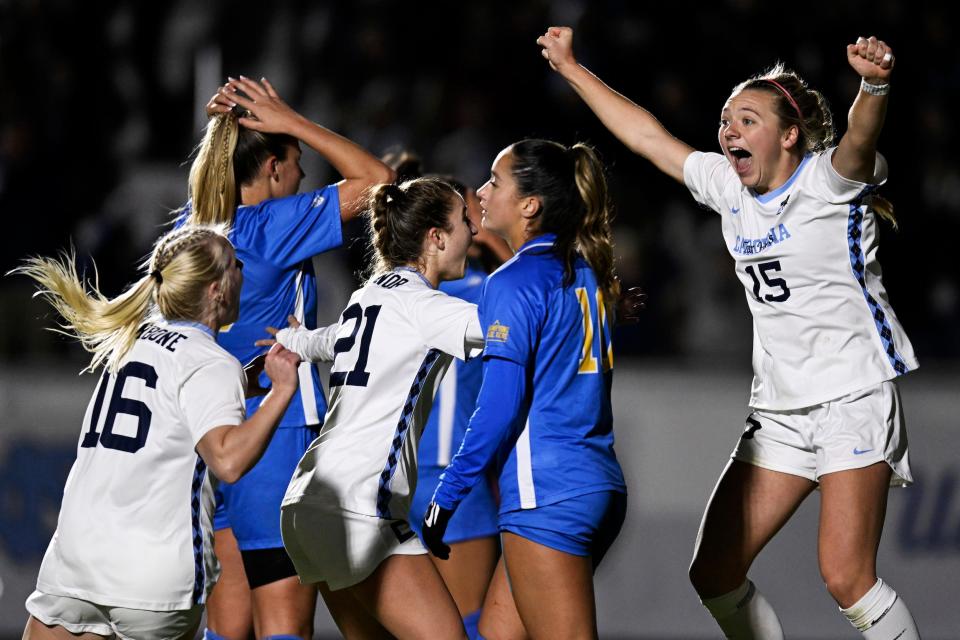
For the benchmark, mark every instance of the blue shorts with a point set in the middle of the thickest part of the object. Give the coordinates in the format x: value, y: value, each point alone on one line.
x: 251, y: 506
x: 476, y: 517
x: 582, y: 526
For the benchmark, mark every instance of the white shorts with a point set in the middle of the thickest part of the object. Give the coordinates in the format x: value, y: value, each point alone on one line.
x: 850, y: 432
x: 341, y: 548
x: 81, y: 616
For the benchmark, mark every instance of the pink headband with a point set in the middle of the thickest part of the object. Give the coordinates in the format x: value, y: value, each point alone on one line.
x: 786, y: 93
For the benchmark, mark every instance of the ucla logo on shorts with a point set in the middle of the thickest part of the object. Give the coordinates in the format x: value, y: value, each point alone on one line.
x: 498, y: 332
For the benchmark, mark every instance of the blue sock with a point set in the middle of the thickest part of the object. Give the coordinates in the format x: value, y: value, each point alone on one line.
x: 470, y: 622
x: 210, y: 635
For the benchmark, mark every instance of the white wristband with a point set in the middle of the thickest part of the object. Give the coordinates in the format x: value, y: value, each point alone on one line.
x: 874, y: 89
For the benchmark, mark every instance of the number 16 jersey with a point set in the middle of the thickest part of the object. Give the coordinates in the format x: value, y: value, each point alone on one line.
x: 135, y: 525
x: 393, y: 344
x: 806, y: 254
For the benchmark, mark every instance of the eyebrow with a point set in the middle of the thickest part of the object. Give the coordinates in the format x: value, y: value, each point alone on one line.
x: 494, y: 173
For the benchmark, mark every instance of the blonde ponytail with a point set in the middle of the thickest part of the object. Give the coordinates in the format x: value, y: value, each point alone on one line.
x: 212, y: 182
x: 183, y: 263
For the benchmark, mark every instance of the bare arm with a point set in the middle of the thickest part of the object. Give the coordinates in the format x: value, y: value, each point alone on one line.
x: 856, y: 154
x: 360, y: 169
x: 633, y: 125
x: 232, y: 450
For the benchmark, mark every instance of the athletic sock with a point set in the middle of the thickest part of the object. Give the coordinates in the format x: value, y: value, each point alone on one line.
x: 470, y: 622
x: 282, y: 637
x: 881, y: 615
x: 210, y: 635
x: 744, y: 614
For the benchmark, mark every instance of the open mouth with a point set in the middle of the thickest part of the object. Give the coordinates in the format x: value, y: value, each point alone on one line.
x: 741, y: 158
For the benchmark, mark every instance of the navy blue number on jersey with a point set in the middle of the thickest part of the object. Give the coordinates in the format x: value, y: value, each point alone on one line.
x: 119, y: 404
x: 595, y: 329
x: 358, y: 376
x: 773, y: 283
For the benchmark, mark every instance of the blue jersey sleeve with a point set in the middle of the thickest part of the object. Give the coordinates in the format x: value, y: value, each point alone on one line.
x: 494, y: 426
x: 511, y: 313
x: 286, y: 231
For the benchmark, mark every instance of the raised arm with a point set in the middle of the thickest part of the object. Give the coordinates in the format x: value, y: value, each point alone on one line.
x: 232, y: 450
x: 856, y: 154
x: 633, y: 125
x: 360, y: 169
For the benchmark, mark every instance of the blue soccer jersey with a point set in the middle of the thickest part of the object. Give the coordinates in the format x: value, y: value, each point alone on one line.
x: 276, y: 240
x: 457, y: 396
x: 560, y: 443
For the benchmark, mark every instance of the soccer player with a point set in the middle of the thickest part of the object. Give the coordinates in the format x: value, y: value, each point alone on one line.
x: 799, y: 218
x: 543, y: 415
x: 132, y: 556
x: 247, y: 173
x: 472, y: 534
x: 344, y: 517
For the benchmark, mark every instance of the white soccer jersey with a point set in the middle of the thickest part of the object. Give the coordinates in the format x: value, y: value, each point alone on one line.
x: 135, y: 525
x: 394, y: 341
x: 806, y: 254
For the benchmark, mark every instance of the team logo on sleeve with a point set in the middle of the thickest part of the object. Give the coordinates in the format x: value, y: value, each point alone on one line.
x: 318, y: 201
x: 498, y: 332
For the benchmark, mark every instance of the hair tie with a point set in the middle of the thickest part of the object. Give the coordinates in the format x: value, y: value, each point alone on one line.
x: 787, y: 95
x: 156, y: 275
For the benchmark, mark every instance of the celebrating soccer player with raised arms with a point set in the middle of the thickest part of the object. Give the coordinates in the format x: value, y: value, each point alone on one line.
x: 344, y: 518
x: 132, y: 556
x: 543, y: 417
x: 247, y: 173
x: 799, y: 216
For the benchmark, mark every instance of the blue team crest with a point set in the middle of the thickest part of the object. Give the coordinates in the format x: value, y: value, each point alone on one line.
x: 497, y: 332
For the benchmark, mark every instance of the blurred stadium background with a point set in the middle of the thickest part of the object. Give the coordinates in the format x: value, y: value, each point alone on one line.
x: 102, y: 102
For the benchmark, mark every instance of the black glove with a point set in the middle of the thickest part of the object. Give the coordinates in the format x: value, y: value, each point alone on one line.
x: 434, y: 525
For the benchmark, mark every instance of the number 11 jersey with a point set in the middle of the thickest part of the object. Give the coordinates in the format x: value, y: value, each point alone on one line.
x: 806, y: 254
x: 393, y: 344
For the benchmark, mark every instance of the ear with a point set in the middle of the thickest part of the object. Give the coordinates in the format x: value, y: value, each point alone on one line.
x: 437, y: 238
x: 530, y: 207
x: 273, y: 168
x: 790, y: 137
x: 214, y: 291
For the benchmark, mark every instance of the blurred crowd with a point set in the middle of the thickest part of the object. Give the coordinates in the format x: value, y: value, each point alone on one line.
x: 102, y: 103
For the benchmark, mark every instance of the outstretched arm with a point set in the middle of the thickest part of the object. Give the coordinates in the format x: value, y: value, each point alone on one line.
x: 633, y: 125
x: 360, y: 168
x: 856, y: 154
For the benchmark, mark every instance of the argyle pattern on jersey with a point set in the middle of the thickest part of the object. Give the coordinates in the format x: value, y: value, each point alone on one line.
x: 854, y: 239
x: 198, y: 573
x: 403, y: 426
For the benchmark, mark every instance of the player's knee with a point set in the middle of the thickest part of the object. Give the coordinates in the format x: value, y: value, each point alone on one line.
x: 846, y: 582
x: 711, y: 576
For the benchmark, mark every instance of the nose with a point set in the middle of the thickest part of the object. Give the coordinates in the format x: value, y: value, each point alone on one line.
x: 482, y: 191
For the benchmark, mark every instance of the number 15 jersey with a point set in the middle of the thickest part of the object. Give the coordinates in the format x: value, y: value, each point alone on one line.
x: 393, y: 344
x: 806, y: 254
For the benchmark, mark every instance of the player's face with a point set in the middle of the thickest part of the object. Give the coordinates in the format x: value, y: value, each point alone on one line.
x: 753, y: 141
x: 457, y: 240
x: 289, y: 172
x: 499, y: 202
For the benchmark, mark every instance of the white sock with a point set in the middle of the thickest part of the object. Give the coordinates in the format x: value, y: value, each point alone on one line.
x: 744, y: 614
x: 881, y: 615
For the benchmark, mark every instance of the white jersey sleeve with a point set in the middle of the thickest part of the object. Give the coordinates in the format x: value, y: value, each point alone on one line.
x: 840, y: 190
x: 312, y: 345
x: 708, y: 176
x: 449, y: 324
x: 213, y: 396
